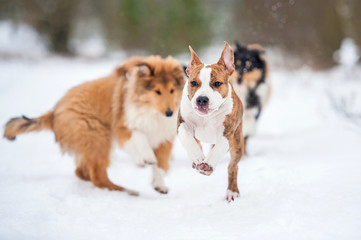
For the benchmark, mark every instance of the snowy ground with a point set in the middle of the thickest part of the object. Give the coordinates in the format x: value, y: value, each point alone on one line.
x: 301, y: 180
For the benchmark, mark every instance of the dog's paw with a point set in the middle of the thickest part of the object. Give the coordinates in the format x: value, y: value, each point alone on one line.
x: 204, y: 168
x: 150, y: 161
x: 161, y: 189
x: 231, y: 196
x: 132, y: 193
x: 140, y: 163
x: 197, y: 158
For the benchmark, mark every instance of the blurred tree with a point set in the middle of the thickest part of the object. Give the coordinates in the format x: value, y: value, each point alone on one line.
x: 349, y: 12
x: 311, y: 30
x: 51, y: 18
x: 160, y: 26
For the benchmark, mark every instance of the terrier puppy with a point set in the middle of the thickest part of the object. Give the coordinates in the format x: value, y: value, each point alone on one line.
x: 211, y: 112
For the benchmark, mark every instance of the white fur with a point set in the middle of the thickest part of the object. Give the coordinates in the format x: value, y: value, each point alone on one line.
x: 158, y: 181
x: 155, y: 126
x: 207, y: 128
x: 230, y: 196
x: 139, y: 149
x: 218, y: 151
x: 249, y: 121
x: 262, y: 91
x: 249, y: 115
x: 241, y: 91
x: 194, y: 152
x: 215, y: 98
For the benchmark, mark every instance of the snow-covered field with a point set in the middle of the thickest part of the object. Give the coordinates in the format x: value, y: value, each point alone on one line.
x: 301, y: 180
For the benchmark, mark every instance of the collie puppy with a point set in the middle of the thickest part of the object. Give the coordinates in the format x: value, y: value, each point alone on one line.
x: 250, y: 81
x: 136, y: 105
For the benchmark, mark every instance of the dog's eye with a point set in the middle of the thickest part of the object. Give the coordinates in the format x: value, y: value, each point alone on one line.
x: 158, y: 92
x: 194, y: 83
x: 217, y: 84
x: 172, y: 91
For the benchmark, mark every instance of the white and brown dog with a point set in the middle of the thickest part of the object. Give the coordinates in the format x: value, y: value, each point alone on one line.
x: 211, y: 112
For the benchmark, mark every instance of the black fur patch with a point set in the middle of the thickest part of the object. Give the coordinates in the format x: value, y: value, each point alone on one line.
x: 242, y: 55
x: 29, y: 121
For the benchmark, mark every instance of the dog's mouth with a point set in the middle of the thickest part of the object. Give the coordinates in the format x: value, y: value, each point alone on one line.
x: 239, y: 81
x: 203, y: 110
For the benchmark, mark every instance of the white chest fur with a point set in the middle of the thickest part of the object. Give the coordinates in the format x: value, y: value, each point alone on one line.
x: 156, y: 127
x: 208, y: 130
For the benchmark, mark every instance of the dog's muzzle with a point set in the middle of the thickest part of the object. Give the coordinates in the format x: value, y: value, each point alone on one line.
x: 202, y: 104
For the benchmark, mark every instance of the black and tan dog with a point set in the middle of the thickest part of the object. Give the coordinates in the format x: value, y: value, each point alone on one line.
x: 251, y: 84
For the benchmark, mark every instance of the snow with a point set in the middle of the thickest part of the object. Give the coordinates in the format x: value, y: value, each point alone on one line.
x: 301, y: 179
x: 348, y: 54
x: 20, y: 40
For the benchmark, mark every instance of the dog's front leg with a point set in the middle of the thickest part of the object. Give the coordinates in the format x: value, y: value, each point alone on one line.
x: 188, y: 141
x: 217, y: 152
x: 139, y: 149
x: 162, y: 153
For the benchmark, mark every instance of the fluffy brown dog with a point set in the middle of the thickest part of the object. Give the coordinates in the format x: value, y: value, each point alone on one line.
x: 135, y: 105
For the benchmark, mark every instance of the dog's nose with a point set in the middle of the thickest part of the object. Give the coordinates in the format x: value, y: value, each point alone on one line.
x: 169, y: 113
x: 202, y: 100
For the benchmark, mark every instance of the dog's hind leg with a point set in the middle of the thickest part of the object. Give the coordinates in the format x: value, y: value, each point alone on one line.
x: 236, y: 150
x: 90, y: 140
x: 99, y: 177
x: 82, y: 173
x: 97, y: 162
x: 163, y: 155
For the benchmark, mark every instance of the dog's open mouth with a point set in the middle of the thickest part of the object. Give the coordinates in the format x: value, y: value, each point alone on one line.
x: 203, y: 110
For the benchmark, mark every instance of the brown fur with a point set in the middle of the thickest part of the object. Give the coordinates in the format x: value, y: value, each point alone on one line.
x: 163, y: 154
x: 89, y: 115
x: 219, y: 75
x: 233, y: 131
x: 233, y: 121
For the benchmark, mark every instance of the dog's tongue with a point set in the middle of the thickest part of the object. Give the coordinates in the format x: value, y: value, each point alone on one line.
x: 203, y: 109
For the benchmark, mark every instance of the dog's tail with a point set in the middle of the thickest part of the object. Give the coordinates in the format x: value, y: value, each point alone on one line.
x: 19, y: 125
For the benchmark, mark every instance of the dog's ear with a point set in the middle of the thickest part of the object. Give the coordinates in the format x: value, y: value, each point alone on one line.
x: 257, y: 47
x: 142, y: 70
x: 195, y: 61
x: 239, y: 46
x: 227, y: 58
x: 184, y: 68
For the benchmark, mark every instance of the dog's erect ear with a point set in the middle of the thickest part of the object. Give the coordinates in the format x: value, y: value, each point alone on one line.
x: 238, y: 45
x: 257, y: 47
x: 227, y: 59
x: 195, y: 61
x: 184, y: 68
